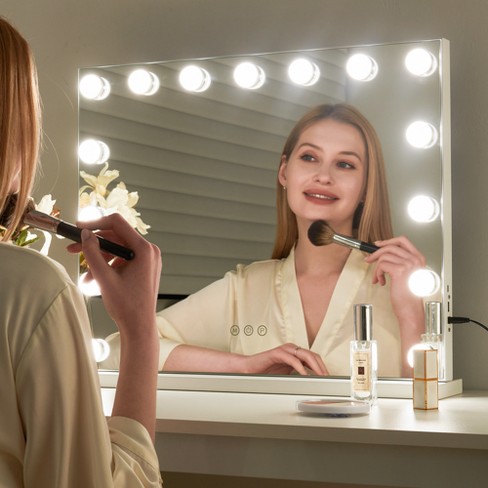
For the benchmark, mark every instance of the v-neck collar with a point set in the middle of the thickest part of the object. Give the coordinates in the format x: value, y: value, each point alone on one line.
x: 340, y: 304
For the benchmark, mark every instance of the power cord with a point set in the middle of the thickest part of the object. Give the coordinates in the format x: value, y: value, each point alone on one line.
x: 465, y: 320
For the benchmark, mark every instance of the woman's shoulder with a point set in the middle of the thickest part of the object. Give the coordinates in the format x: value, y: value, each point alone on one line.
x: 27, y: 268
x: 267, y: 266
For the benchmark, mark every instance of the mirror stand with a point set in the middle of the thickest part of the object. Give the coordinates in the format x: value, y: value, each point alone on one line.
x: 295, y: 385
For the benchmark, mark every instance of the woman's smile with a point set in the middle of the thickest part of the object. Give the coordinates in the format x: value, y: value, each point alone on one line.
x: 320, y: 197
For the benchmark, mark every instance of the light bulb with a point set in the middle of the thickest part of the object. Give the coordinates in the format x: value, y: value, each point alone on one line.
x: 420, y: 62
x: 143, y: 82
x: 94, y: 87
x: 88, y: 288
x: 194, y: 78
x: 249, y: 75
x: 101, y: 349
x: 92, y: 151
x: 423, y: 208
x: 303, y: 72
x: 421, y: 134
x: 424, y: 282
x: 361, y: 67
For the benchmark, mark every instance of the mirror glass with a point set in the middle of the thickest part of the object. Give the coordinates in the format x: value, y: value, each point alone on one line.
x: 204, y: 162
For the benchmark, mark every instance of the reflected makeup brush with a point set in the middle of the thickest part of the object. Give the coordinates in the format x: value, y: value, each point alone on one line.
x: 42, y: 221
x: 321, y: 233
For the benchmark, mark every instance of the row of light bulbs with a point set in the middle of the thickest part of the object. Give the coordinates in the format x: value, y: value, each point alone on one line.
x: 251, y: 76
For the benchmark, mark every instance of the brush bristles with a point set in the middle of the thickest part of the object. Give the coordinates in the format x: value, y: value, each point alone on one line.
x: 320, y: 233
x: 10, y: 204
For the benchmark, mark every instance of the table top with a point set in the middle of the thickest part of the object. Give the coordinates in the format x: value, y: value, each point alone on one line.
x: 460, y: 421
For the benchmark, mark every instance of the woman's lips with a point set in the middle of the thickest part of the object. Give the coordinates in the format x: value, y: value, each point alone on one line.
x: 320, y: 197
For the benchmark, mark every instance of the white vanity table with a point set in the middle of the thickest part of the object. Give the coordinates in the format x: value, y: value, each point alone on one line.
x: 263, y: 435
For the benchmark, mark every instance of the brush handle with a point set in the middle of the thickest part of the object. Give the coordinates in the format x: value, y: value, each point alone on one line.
x: 354, y: 243
x: 74, y: 233
x: 367, y: 247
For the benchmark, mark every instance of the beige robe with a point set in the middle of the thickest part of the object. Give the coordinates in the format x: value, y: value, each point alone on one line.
x: 258, y: 307
x: 53, y: 429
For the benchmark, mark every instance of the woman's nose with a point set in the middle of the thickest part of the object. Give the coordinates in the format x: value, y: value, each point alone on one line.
x: 324, y: 174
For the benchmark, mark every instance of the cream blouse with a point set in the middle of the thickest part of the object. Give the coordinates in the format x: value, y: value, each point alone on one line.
x: 53, y: 429
x: 258, y: 307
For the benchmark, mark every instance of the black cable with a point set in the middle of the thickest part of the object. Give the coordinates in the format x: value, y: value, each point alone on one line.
x: 465, y: 320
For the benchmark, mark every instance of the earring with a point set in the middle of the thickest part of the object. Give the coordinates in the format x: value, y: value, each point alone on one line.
x: 284, y: 187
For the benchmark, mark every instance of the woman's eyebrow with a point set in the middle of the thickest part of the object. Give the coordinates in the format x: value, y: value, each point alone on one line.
x: 352, y: 153
x: 309, y: 144
x: 318, y: 148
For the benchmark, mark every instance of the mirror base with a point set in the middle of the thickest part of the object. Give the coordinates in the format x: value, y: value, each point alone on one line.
x: 295, y: 385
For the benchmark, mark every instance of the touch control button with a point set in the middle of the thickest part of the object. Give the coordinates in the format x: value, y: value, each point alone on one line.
x: 248, y: 330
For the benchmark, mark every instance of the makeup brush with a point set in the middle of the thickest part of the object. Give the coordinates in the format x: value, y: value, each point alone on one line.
x: 43, y: 221
x: 321, y: 233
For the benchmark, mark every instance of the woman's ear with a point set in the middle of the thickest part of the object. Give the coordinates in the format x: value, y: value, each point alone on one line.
x: 282, y: 171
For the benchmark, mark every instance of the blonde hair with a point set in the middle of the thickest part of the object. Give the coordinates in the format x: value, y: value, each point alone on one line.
x: 372, y: 220
x: 20, y: 120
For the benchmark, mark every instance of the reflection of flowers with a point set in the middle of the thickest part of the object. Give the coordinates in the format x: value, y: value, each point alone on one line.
x: 96, y: 195
x: 118, y: 199
x: 23, y: 235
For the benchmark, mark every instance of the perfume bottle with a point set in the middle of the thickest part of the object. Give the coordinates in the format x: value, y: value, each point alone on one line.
x: 433, y: 332
x: 364, y: 355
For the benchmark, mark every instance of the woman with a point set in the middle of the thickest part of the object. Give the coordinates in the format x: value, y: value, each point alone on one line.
x: 295, y: 312
x: 54, y: 431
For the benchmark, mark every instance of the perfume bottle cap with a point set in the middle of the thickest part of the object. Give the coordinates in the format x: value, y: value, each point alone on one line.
x: 433, y: 318
x: 363, y: 322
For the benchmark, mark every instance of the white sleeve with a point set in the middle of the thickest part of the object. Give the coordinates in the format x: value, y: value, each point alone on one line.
x: 203, y: 319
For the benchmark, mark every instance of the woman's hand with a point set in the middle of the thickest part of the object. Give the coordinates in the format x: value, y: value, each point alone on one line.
x: 284, y: 360
x: 399, y: 258
x: 129, y: 288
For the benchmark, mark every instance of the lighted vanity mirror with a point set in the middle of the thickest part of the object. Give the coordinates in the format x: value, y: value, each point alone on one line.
x: 204, y: 158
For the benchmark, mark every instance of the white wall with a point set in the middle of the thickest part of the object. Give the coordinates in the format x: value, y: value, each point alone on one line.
x: 67, y: 34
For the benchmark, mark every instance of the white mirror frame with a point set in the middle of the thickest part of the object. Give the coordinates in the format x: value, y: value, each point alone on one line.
x: 400, y: 388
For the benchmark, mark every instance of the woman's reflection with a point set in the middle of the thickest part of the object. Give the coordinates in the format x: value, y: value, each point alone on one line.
x: 294, y: 312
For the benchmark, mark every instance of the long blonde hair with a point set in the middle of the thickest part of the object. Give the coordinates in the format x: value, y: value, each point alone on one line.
x: 20, y: 120
x: 372, y: 220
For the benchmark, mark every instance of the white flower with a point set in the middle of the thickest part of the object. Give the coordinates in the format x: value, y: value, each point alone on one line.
x: 118, y: 200
x: 46, y: 204
x: 87, y: 199
x: 99, y: 183
x: 121, y: 201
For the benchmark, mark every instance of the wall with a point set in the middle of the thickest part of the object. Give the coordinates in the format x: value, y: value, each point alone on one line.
x: 67, y: 34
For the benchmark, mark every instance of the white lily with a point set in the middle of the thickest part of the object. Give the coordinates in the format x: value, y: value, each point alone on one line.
x: 46, y: 204
x: 118, y: 200
x: 99, y: 183
x: 121, y: 201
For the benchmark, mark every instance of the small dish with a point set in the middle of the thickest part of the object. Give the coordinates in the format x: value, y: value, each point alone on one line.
x: 334, y: 408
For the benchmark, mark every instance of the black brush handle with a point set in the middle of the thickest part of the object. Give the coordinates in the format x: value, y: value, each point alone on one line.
x: 367, y: 247
x: 74, y: 233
